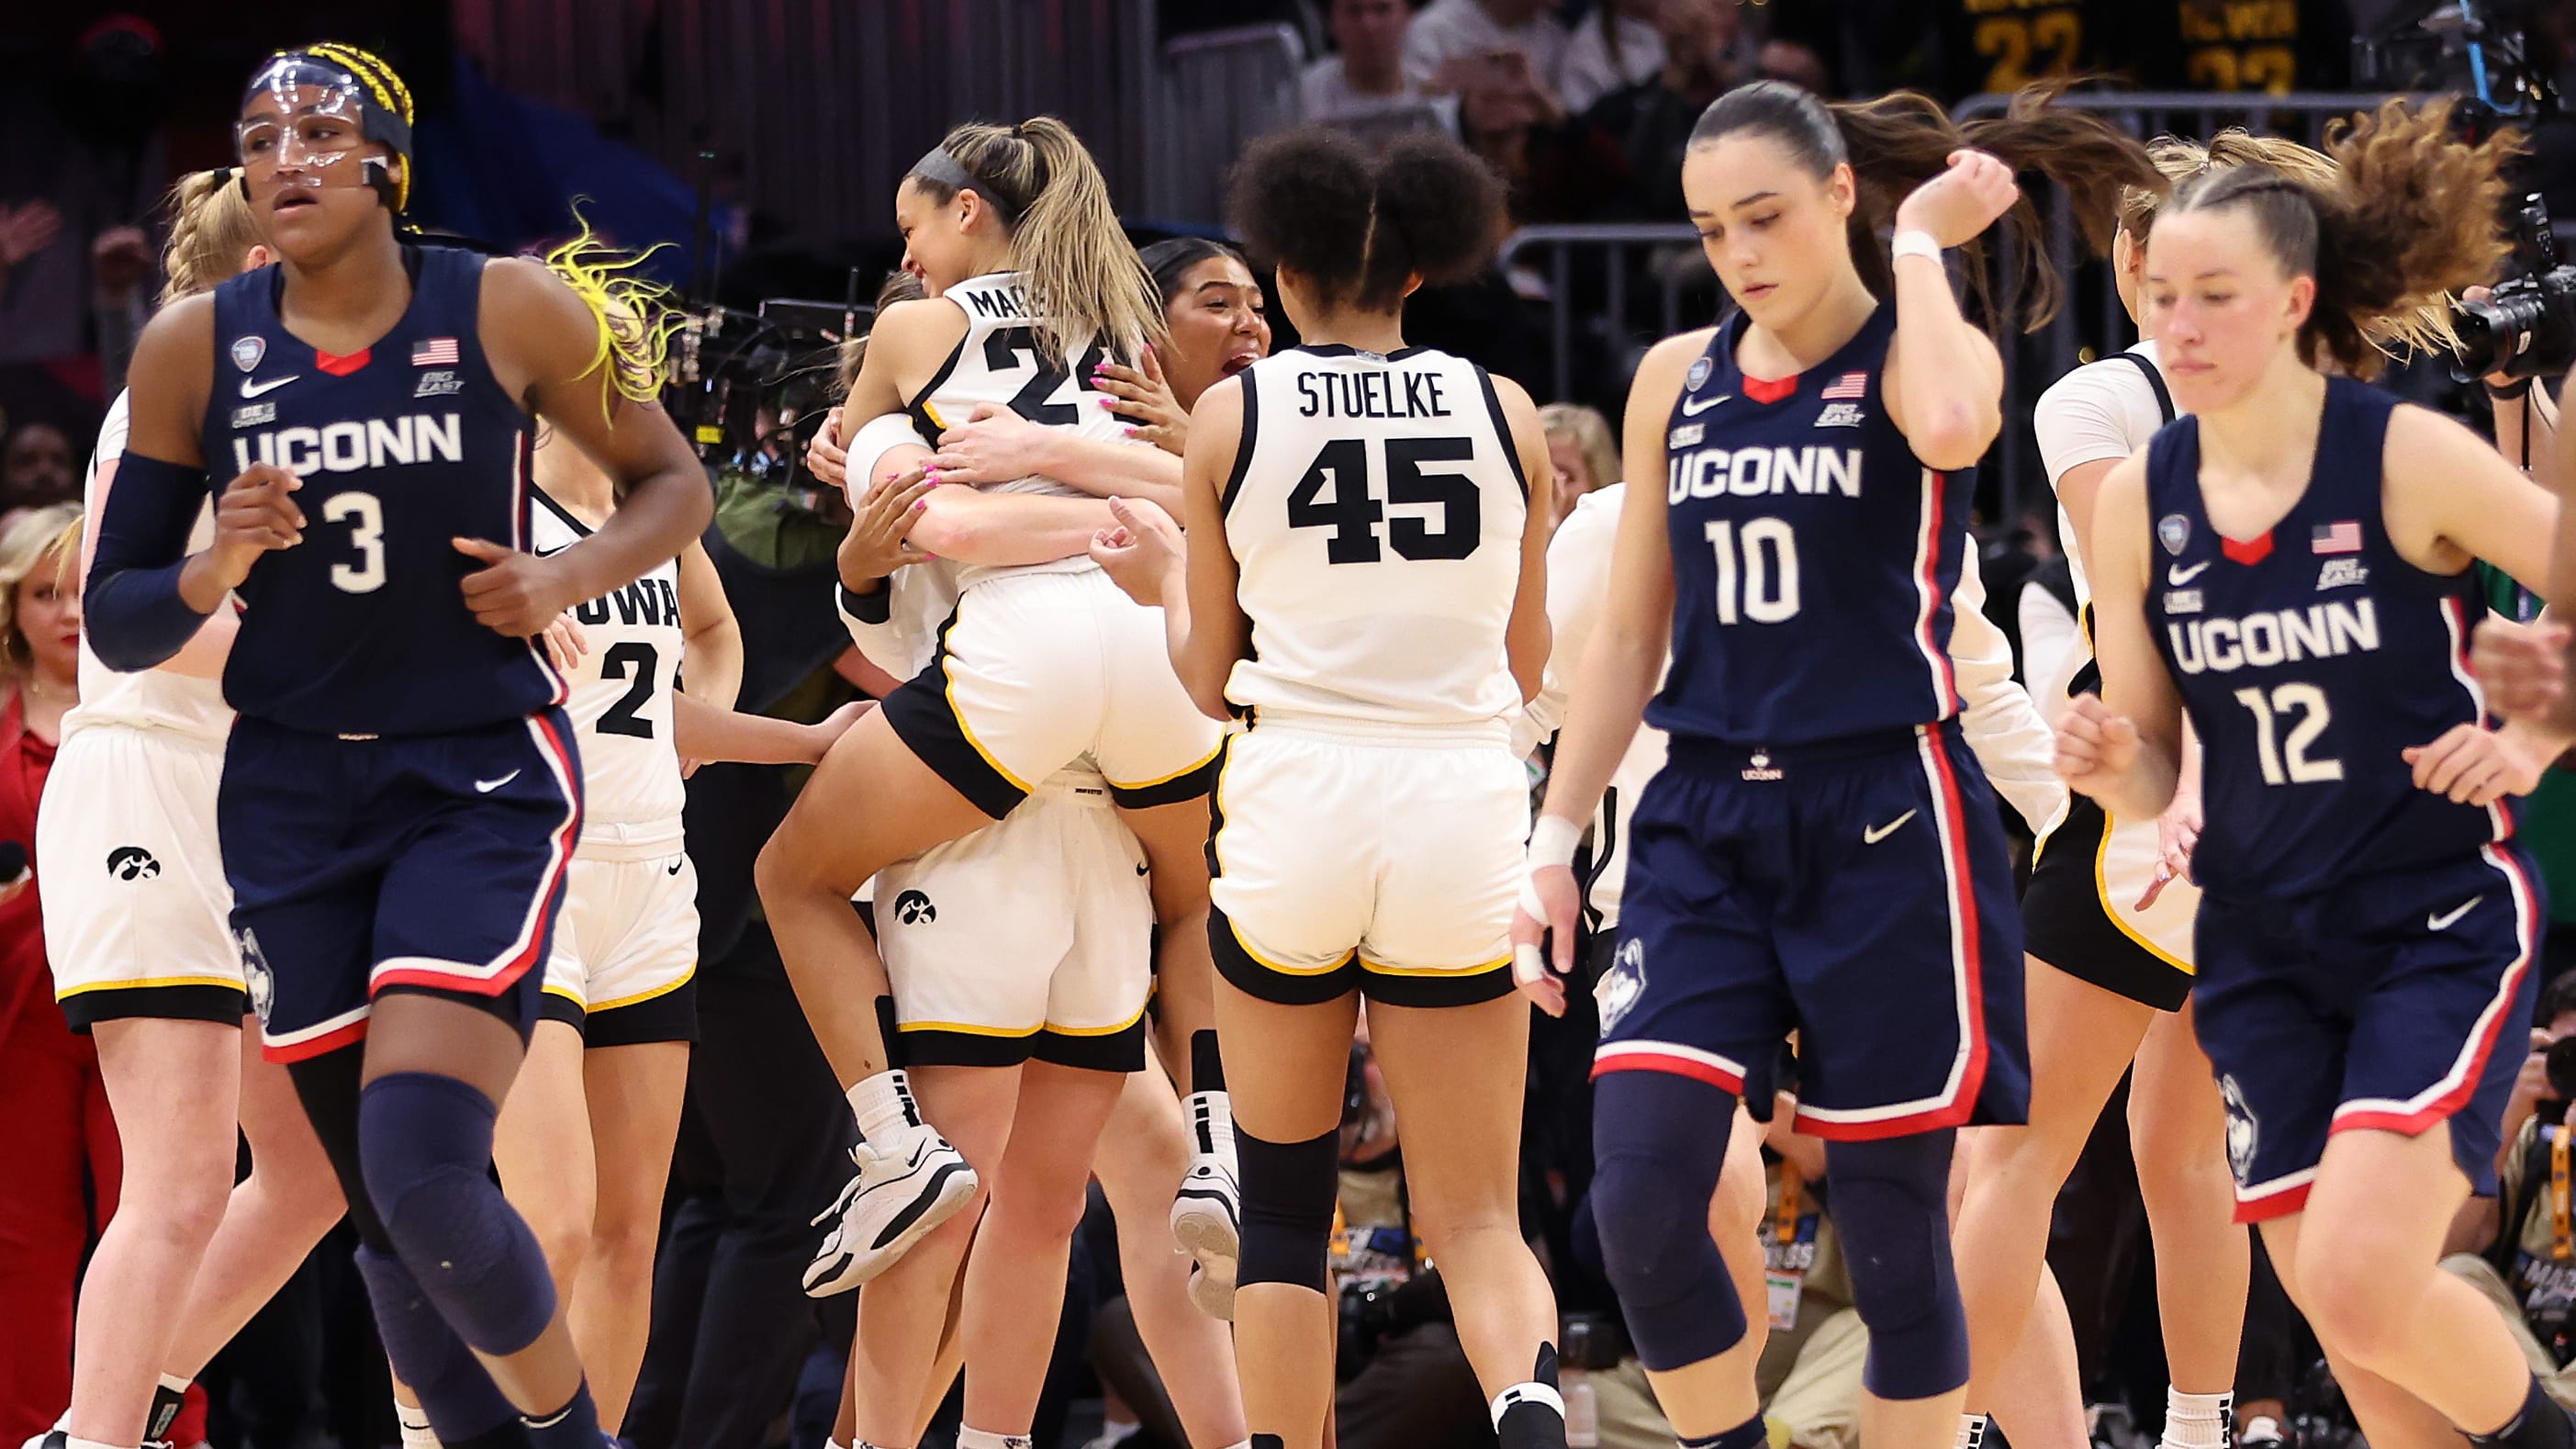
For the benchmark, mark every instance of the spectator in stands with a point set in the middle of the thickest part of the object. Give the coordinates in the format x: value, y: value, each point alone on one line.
x: 1617, y: 46
x: 1452, y: 37
x: 1366, y: 86
x: 120, y: 263
x: 1586, y: 454
x: 1624, y: 157
x: 2515, y: 1247
x: 36, y: 468
x: 1502, y: 112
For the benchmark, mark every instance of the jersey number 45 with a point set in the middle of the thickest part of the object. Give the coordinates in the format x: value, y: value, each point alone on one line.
x: 1354, y: 512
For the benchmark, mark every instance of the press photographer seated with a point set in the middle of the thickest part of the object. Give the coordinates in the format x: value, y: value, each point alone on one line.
x: 2516, y: 1248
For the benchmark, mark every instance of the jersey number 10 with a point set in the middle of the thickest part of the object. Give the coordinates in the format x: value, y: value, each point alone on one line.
x: 1757, y: 570
x: 1353, y: 512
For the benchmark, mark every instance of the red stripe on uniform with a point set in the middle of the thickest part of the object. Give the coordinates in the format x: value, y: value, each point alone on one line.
x: 2413, y: 1124
x: 1679, y: 1066
x: 305, y: 1051
x: 552, y: 895
x: 1972, y: 962
x: 2274, y: 1205
x: 1944, y: 676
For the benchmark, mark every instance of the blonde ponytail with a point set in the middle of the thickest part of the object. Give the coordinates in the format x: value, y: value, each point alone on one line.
x: 211, y: 230
x: 1084, y: 281
x: 635, y: 325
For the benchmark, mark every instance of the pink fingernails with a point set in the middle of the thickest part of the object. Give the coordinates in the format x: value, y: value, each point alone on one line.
x: 1109, y: 402
x: 1131, y: 432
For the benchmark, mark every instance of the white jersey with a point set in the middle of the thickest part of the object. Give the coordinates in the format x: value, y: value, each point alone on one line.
x: 999, y: 361
x: 1375, y: 515
x: 621, y: 692
x: 2102, y: 411
x: 150, y: 698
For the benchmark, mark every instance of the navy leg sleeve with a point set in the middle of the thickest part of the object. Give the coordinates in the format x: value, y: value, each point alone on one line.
x: 1658, y: 1141
x: 425, y: 1144
x: 1890, y: 1202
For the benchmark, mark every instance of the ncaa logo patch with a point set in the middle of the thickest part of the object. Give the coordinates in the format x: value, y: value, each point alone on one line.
x: 2173, y: 531
x: 255, y: 974
x: 2241, y: 1129
x: 1699, y: 372
x: 247, y: 351
x: 1622, y: 984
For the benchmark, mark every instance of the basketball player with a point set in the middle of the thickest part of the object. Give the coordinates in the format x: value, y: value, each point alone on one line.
x: 144, y: 962
x: 1011, y: 226
x: 400, y: 794
x: 2366, y: 926
x: 1817, y: 453
x: 2108, y: 913
x: 1365, y: 578
x: 1021, y: 950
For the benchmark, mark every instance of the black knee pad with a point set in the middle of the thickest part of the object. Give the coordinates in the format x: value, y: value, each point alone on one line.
x: 1287, y: 1190
x: 1891, y: 1206
x: 1658, y: 1143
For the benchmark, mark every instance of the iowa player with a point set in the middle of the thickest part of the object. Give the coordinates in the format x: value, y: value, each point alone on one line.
x: 401, y: 794
x: 1814, y: 456
x: 2289, y: 567
x: 1364, y: 578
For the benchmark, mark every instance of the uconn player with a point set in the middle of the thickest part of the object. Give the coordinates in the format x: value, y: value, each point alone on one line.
x: 1364, y: 578
x: 1820, y: 853
x: 1011, y: 226
x: 143, y: 961
x: 2288, y: 568
x: 400, y: 795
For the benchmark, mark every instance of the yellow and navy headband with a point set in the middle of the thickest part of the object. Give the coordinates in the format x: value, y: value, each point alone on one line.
x: 383, y: 101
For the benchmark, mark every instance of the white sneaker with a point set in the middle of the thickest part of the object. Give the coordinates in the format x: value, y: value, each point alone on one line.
x: 899, y: 1195
x: 1207, y: 1213
x: 1212, y: 1290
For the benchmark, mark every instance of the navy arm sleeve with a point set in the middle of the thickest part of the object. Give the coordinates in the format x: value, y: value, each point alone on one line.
x: 131, y: 606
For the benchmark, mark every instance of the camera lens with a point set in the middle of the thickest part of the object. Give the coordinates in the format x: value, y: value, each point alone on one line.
x: 2562, y: 1066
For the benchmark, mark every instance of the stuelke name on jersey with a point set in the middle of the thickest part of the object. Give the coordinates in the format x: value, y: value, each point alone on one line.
x: 355, y: 447
x: 2274, y: 636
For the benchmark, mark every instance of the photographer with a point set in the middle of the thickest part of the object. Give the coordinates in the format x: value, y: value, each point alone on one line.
x: 2516, y: 1248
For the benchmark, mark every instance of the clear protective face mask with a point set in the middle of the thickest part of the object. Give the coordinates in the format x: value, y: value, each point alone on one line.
x: 314, y: 120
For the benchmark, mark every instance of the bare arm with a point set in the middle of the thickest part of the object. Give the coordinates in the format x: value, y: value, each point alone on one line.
x: 543, y: 341
x: 1945, y: 381
x: 2448, y: 498
x: 2134, y: 730
x: 1217, y: 632
x: 713, y: 671
x: 1526, y: 638
x: 997, y: 445
x: 972, y: 526
x: 710, y: 732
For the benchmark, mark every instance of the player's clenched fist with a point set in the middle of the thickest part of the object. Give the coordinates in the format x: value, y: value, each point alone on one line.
x: 2095, y: 748
x: 516, y: 594
x: 255, y: 514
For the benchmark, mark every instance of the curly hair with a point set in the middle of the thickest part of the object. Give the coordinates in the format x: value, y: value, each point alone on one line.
x: 2410, y: 213
x: 1358, y: 226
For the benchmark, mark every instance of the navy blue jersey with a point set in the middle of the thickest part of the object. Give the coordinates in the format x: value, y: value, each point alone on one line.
x: 361, y: 628
x: 1813, y: 554
x: 2309, y: 660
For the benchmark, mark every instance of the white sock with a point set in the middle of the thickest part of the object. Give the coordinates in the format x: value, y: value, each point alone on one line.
x: 884, y: 1106
x: 413, y: 1426
x: 987, y: 1439
x: 2196, y: 1421
x: 71, y: 1443
x: 834, y: 1444
x: 1543, y: 1395
x: 1972, y: 1431
x: 1211, y: 1116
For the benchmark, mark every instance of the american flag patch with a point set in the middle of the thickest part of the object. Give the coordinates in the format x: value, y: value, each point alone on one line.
x: 1849, y: 385
x: 434, y: 352
x: 2344, y: 537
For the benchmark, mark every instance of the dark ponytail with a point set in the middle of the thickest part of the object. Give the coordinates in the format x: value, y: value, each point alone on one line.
x: 1901, y: 140
x: 1357, y: 226
x: 2411, y: 215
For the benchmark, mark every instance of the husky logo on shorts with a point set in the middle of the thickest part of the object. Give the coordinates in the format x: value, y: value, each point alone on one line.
x: 914, y: 909
x: 2240, y: 1128
x: 132, y: 862
x: 255, y: 973
x: 1622, y: 984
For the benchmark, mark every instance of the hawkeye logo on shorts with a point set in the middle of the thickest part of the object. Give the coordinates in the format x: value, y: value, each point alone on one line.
x: 1622, y: 984
x: 132, y: 862
x: 914, y: 909
x: 255, y: 973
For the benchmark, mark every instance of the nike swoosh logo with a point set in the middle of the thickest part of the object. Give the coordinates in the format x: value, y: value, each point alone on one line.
x: 1144, y: 867
x: 2178, y: 576
x: 1874, y: 836
x: 2444, y: 921
x: 486, y: 787
x: 1691, y: 407
x: 254, y: 389
x: 675, y: 866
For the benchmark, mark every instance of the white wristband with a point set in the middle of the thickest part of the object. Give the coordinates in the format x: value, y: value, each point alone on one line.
x: 1552, y: 841
x: 1914, y: 244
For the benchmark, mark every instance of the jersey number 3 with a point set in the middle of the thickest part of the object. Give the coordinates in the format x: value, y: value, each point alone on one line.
x: 1353, y: 512
x: 366, y: 520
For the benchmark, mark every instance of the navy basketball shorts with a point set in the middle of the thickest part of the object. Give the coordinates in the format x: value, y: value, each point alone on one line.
x: 1858, y: 893
x: 359, y: 865
x: 2384, y: 1003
